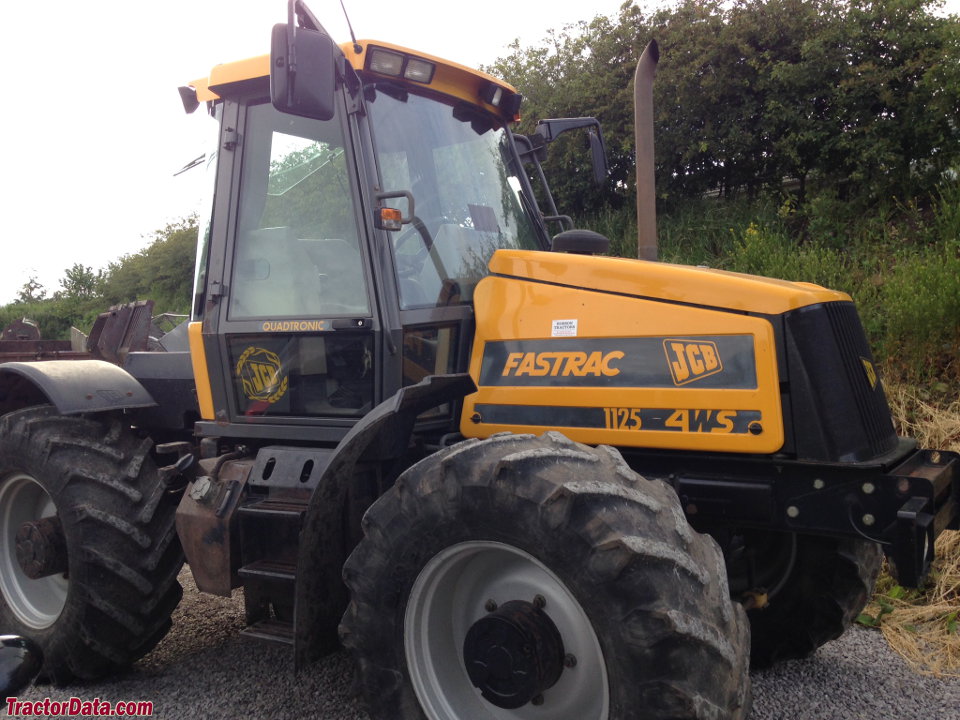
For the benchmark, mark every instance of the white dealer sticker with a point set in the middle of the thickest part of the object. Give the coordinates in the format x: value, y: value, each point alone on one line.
x: 564, y: 328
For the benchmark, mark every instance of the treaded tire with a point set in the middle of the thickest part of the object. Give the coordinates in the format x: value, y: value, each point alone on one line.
x: 830, y: 582
x: 652, y: 592
x: 123, y: 553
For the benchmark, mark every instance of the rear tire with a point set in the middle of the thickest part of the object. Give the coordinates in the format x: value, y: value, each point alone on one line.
x: 638, y: 601
x: 113, y: 604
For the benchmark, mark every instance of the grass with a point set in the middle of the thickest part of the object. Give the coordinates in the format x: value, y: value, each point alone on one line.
x: 922, y: 625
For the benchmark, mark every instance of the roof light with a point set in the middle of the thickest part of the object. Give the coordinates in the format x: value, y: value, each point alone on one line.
x: 419, y: 70
x: 500, y: 97
x: 396, y: 64
x: 511, y: 104
x: 386, y: 62
x: 492, y: 94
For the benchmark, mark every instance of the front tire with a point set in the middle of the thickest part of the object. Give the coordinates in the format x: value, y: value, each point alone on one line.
x: 519, y: 577
x: 817, y: 586
x: 88, y: 549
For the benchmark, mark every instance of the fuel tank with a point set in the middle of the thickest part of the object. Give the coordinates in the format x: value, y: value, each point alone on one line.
x: 641, y: 354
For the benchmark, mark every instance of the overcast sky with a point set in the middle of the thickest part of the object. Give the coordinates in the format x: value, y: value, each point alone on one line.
x: 92, y: 128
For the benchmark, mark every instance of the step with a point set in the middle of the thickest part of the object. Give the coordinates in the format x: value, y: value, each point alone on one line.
x: 273, y: 631
x: 274, y: 570
x: 280, y: 508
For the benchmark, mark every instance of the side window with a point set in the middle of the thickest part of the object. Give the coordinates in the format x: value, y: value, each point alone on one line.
x: 429, y: 351
x: 297, y: 251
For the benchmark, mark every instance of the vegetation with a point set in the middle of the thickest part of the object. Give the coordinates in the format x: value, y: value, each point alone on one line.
x: 162, y: 272
x: 854, y: 100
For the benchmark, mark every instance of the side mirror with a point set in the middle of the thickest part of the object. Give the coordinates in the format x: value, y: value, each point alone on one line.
x: 599, y: 153
x: 302, y: 72
x: 551, y: 128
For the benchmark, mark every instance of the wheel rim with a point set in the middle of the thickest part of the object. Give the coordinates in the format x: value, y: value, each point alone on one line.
x: 36, y: 603
x: 452, y: 593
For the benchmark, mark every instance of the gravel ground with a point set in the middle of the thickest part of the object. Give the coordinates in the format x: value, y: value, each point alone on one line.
x: 203, y: 669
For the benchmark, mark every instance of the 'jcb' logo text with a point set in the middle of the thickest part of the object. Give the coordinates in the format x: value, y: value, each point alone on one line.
x: 261, y: 375
x: 871, y: 373
x: 562, y: 364
x: 690, y: 360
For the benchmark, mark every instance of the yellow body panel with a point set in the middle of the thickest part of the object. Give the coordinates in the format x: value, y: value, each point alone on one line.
x: 674, y: 283
x: 201, y: 375
x: 619, y: 367
x: 229, y: 73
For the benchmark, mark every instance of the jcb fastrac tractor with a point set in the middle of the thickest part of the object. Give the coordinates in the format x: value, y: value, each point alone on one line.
x: 516, y: 479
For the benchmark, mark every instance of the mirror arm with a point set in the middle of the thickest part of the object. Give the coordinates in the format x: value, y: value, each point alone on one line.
x: 297, y: 10
x: 307, y: 19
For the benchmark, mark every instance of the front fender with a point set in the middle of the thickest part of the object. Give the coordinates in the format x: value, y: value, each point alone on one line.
x: 381, y: 435
x: 72, y: 386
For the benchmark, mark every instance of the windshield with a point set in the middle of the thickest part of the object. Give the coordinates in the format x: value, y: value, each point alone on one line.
x: 468, y: 197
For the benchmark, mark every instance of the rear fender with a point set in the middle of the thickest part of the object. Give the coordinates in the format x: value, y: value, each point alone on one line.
x: 72, y: 386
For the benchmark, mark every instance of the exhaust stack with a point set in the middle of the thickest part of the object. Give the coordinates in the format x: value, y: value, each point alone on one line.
x: 643, y: 132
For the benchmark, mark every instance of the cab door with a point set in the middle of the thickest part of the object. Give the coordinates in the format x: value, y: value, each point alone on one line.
x: 296, y: 321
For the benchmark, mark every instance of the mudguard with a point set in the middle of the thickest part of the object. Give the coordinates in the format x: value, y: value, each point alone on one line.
x: 72, y: 386
x: 382, y: 435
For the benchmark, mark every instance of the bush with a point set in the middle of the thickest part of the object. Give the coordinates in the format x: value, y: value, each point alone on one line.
x: 921, y: 309
x: 771, y: 253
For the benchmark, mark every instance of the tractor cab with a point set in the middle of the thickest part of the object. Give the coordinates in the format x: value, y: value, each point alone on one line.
x: 340, y: 257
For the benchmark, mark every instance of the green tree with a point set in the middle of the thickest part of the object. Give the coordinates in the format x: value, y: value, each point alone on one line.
x: 162, y: 272
x: 584, y: 69
x: 79, y: 282
x: 860, y: 97
x: 31, y: 292
x: 898, y: 100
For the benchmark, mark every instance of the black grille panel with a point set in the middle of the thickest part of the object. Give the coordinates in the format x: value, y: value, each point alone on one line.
x: 870, y: 399
x: 837, y: 413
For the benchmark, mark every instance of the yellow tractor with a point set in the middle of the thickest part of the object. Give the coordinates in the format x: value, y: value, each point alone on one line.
x: 514, y: 477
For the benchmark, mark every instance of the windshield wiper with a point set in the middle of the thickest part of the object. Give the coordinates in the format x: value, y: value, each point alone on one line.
x: 190, y: 165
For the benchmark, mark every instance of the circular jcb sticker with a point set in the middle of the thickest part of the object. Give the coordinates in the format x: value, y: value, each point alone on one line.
x: 261, y: 373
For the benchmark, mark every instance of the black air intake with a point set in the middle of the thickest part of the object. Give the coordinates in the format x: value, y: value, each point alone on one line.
x: 838, y: 407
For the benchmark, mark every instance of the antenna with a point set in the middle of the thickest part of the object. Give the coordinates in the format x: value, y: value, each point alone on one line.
x: 356, y: 46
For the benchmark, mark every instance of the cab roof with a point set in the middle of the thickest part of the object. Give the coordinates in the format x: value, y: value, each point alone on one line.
x: 448, y: 78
